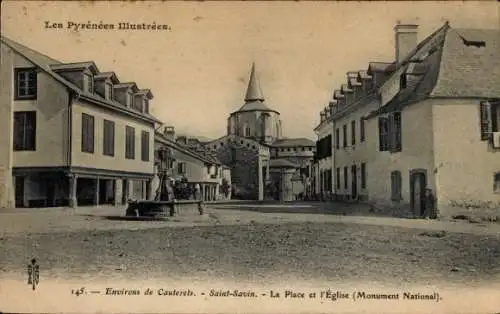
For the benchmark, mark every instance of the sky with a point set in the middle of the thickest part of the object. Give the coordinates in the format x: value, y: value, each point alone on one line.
x: 198, y: 70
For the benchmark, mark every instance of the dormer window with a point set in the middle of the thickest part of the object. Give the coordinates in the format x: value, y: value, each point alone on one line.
x: 108, y: 91
x: 145, y: 105
x: 88, y: 83
x: 402, y: 81
x: 130, y: 99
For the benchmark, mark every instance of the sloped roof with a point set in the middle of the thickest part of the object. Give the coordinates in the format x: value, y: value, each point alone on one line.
x: 256, y: 105
x: 282, y: 163
x: 467, y: 70
x: 75, y: 65
x: 44, y: 63
x: 107, y: 75
x: 160, y: 137
x: 254, y: 98
x: 452, y: 63
x: 293, y: 142
x: 254, y: 92
x: 380, y: 66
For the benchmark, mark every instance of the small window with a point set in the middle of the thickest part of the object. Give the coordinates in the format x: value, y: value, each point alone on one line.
x: 130, y: 97
x: 88, y: 82
x: 247, y: 131
x: 109, y: 91
x: 24, y: 130
x: 145, y: 105
x: 402, y: 81
x: 26, y: 83
x: 181, y: 168
x: 88, y: 131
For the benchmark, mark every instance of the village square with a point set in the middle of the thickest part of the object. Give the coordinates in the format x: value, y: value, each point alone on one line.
x: 400, y: 181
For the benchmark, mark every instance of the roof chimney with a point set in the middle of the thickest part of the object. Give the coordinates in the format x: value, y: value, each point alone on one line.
x: 406, y: 40
x: 169, y: 133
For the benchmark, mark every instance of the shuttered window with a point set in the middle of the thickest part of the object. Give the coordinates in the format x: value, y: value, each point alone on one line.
x: 396, y: 185
x: 363, y: 176
x: 338, y: 178
x: 109, y: 138
x: 362, y: 129
x: 129, y: 142
x: 88, y: 131
x: 383, y: 129
x: 337, y: 138
x: 345, y: 177
x: 345, y: 135
x: 145, y: 146
x: 24, y: 130
x: 353, y: 133
x: 486, y: 114
x: 394, y: 132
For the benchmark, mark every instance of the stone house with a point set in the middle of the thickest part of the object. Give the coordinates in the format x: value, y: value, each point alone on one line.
x: 179, y: 161
x: 254, y: 139
x: 323, y: 161
x: 438, y: 99
x: 72, y: 135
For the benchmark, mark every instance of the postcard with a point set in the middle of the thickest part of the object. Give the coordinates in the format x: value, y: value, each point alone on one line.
x: 250, y: 157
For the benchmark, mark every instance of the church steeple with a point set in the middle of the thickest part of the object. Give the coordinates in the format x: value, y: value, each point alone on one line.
x: 254, y: 92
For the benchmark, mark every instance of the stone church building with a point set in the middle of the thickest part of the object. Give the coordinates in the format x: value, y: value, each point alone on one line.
x: 264, y: 164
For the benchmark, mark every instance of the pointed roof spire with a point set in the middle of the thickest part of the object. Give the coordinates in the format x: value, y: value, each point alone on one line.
x: 253, y: 91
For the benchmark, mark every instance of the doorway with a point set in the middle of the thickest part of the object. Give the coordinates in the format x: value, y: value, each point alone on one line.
x: 354, y: 182
x: 418, y: 184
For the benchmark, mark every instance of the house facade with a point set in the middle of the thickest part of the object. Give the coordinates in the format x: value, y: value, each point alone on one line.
x: 430, y: 121
x: 179, y: 161
x: 78, y: 136
x: 324, y: 187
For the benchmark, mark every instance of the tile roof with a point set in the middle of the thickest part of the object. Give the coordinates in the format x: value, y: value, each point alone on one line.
x: 293, y: 142
x: 467, y: 70
x: 202, y: 156
x: 44, y: 63
x: 256, y: 105
x: 452, y: 63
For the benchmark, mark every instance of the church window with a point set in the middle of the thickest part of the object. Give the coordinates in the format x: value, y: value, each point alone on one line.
x: 247, y: 131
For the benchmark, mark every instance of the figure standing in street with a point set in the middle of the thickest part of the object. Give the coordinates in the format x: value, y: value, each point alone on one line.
x: 429, y: 204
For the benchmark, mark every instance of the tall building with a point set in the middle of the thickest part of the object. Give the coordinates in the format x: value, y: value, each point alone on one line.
x: 264, y: 163
x: 428, y: 120
x: 71, y: 134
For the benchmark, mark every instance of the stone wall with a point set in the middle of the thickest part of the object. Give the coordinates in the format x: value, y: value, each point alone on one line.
x: 244, y: 158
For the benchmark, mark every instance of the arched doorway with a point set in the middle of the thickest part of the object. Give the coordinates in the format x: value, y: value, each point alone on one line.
x: 418, y: 184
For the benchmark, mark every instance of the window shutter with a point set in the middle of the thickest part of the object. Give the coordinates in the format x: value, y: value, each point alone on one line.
x: 486, y: 120
x: 383, y: 134
x: 398, y: 130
